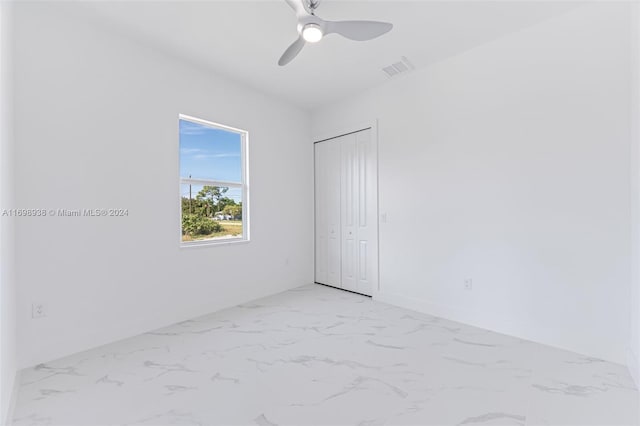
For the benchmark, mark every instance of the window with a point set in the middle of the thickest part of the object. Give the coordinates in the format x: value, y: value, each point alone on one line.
x: 213, y: 182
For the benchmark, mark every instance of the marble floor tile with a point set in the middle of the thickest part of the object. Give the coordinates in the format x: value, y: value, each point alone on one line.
x: 320, y: 356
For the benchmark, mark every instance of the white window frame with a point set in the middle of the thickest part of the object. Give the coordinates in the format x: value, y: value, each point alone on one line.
x: 244, y: 185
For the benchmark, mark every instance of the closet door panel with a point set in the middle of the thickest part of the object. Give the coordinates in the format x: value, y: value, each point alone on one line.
x: 367, y: 207
x: 332, y: 208
x: 349, y: 206
x: 321, y: 223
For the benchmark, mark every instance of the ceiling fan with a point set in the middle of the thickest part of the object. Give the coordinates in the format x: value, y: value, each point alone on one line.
x: 311, y: 29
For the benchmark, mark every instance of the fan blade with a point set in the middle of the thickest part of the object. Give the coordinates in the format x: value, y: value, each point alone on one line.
x: 297, y: 6
x: 359, y: 30
x: 292, y: 51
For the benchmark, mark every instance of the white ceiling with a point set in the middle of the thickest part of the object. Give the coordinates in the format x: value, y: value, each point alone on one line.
x: 243, y: 40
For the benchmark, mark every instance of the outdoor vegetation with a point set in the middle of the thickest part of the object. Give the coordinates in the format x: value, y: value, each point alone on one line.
x: 210, y: 214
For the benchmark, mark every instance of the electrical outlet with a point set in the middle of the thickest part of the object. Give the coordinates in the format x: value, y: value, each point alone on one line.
x: 38, y: 310
x: 468, y: 284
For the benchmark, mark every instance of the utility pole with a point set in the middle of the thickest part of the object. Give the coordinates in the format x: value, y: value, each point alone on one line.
x: 190, y: 202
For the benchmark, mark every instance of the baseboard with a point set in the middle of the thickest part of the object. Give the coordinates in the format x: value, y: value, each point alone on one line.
x: 633, y: 364
x: 12, y: 400
x: 494, y: 321
x: 90, y: 341
x: 419, y: 305
x: 343, y: 289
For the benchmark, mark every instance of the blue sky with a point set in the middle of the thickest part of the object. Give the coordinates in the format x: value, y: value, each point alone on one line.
x: 208, y: 153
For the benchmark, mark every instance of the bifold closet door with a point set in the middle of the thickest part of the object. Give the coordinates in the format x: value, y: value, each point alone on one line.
x: 346, y: 212
x: 327, y: 213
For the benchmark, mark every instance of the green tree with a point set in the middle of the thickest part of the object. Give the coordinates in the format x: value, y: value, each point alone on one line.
x: 234, y: 210
x: 210, y: 196
x: 186, y: 205
x: 194, y: 206
x: 223, y: 203
x: 198, y: 225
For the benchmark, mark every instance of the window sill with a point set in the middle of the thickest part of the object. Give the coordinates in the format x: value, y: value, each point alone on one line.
x: 212, y: 243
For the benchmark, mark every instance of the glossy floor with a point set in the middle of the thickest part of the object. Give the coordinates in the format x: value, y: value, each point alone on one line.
x: 320, y: 356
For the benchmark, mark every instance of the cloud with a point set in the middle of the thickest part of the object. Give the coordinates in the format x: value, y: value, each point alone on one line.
x: 193, y: 129
x: 211, y: 156
x: 188, y: 151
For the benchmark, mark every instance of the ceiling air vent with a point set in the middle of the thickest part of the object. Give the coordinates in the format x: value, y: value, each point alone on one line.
x: 399, y: 67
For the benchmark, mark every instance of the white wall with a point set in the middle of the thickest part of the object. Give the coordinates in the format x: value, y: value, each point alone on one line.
x: 509, y: 164
x: 634, y: 349
x: 96, y: 126
x: 7, y: 248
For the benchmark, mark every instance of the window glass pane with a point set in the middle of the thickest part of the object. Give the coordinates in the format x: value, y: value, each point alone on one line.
x: 211, y: 212
x: 209, y: 153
